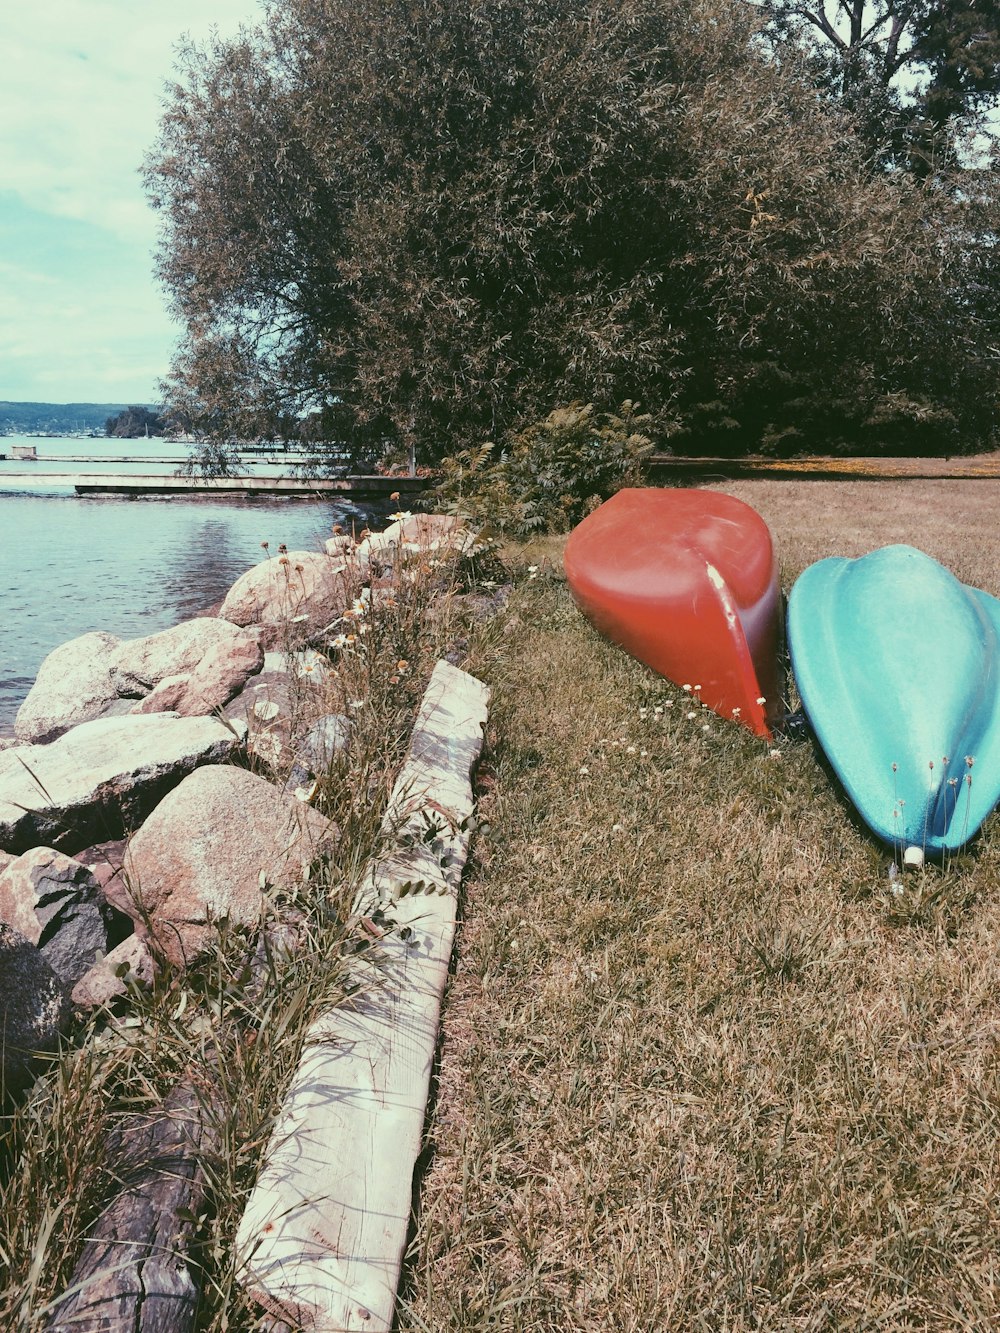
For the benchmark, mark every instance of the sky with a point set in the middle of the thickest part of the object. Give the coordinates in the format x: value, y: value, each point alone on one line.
x: 82, y: 318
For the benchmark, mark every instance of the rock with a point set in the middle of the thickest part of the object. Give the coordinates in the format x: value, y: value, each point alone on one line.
x: 301, y: 592
x: 278, y: 705
x: 221, y: 673
x: 340, y: 546
x: 276, y: 637
x: 378, y: 548
x: 326, y: 742
x: 33, y: 1008
x: 140, y: 664
x: 104, y: 861
x: 110, y: 977
x: 265, y: 710
x: 436, y: 532
x: 57, y: 904
x: 265, y: 707
x: 102, y: 776
x: 201, y: 855
x: 415, y: 535
x: 73, y: 685
x: 164, y: 697
x: 310, y: 665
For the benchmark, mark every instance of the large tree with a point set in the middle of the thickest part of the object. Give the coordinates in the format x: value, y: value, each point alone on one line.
x: 430, y: 221
x: 920, y: 76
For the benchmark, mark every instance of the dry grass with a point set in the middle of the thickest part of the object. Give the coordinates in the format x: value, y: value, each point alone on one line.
x: 954, y: 521
x: 703, y: 1068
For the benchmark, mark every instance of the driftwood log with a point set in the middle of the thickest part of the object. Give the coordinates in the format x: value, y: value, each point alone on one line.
x: 133, y: 1276
x: 325, y: 1228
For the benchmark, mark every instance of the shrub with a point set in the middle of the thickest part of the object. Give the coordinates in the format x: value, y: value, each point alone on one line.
x: 552, y: 473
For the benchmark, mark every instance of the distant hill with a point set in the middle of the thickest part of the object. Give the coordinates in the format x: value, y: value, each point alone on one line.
x: 58, y: 418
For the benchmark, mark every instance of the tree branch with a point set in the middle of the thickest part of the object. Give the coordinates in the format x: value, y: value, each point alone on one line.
x: 820, y: 20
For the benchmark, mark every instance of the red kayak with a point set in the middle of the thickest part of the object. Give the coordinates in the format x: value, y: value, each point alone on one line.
x: 687, y: 582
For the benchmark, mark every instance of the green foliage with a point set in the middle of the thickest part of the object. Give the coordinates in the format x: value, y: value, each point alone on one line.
x: 133, y: 422
x: 418, y: 225
x: 551, y: 474
x: 916, y: 74
x: 54, y: 418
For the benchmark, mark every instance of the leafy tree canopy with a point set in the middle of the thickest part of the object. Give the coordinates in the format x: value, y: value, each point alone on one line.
x: 427, y: 223
x: 132, y: 422
x: 919, y: 74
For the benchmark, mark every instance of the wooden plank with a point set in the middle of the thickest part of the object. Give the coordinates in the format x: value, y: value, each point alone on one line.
x: 133, y: 1275
x: 148, y: 483
x: 326, y: 1226
x: 664, y: 469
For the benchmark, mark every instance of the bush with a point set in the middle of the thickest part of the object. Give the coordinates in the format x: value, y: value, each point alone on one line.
x: 551, y: 474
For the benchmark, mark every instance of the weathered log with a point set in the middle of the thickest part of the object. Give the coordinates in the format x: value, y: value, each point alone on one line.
x: 133, y: 1273
x: 325, y: 1228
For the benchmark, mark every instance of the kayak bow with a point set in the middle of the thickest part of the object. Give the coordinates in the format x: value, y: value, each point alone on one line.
x: 687, y: 582
x: 896, y: 664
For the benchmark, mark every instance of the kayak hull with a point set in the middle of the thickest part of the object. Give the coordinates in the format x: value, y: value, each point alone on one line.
x: 896, y: 663
x: 687, y: 582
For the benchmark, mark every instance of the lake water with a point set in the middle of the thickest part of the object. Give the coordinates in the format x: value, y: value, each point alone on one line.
x: 70, y: 564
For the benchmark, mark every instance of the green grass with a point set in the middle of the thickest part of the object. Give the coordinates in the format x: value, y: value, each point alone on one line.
x: 703, y: 1068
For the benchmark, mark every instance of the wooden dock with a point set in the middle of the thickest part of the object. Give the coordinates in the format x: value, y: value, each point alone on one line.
x: 367, y: 487
x: 668, y: 470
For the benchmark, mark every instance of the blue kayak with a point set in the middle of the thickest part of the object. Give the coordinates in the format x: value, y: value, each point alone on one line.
x: 897, y: 665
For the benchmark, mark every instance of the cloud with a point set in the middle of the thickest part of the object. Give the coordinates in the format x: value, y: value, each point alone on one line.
x: 80, y: 319
x: 79, y: 106
x: 81, y: 96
